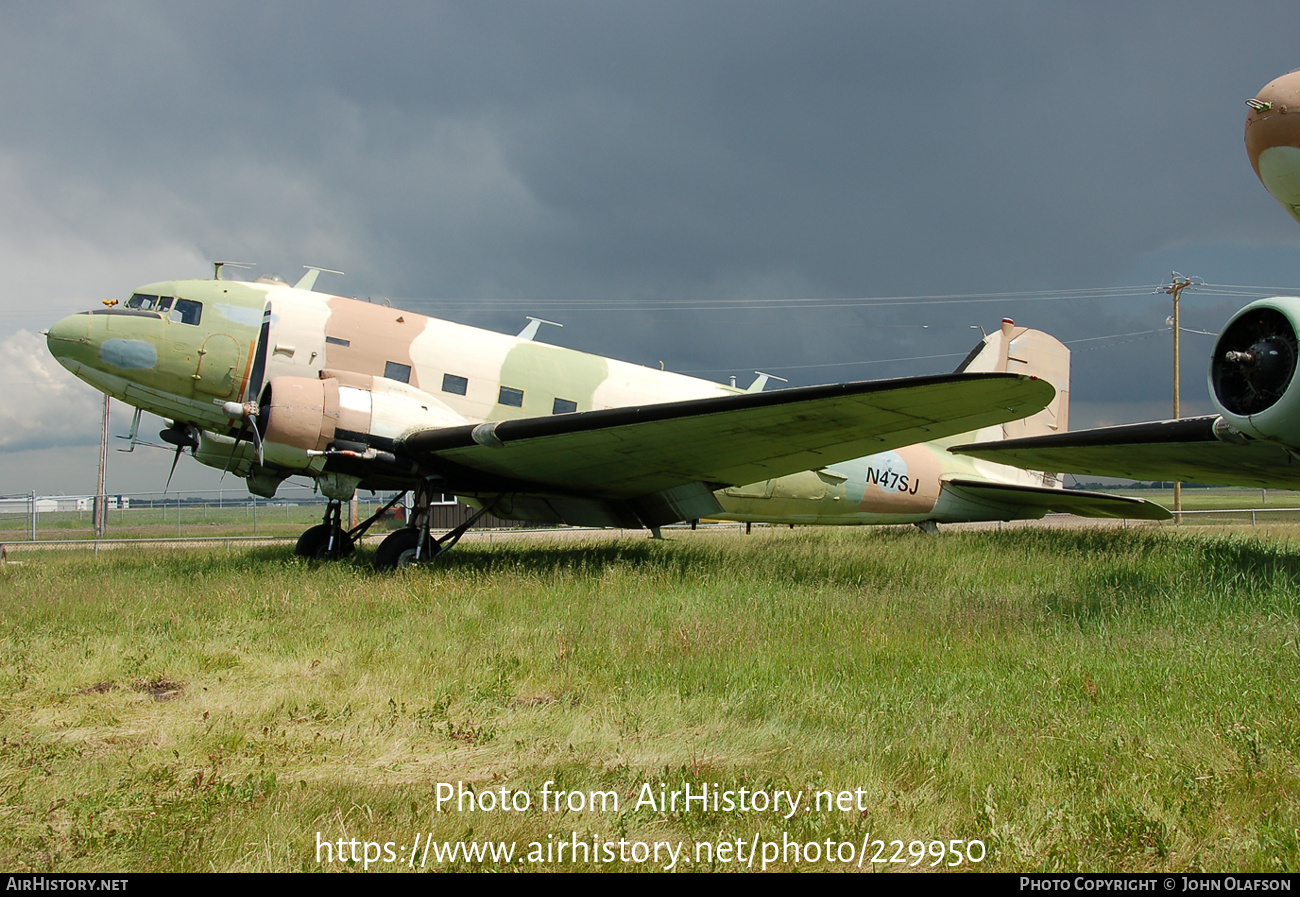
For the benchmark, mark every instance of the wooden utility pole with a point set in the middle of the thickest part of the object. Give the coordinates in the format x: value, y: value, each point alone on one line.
x: 1177, y: 285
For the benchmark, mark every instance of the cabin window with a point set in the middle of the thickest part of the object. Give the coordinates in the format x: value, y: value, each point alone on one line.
x: 511, y: 396
x: 457, y: 386
x: 564, y: 406
x: 399, y: 372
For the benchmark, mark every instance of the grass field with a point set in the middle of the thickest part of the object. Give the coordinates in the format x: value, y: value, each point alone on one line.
x: 1101, y: 699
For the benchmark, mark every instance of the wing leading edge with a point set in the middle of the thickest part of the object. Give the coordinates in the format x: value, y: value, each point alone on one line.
x: 624, y: 453
x: 1185, y: 450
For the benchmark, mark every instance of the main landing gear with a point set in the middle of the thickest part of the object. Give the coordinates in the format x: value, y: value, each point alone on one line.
x: 415, y: 544
x: 328, y: 540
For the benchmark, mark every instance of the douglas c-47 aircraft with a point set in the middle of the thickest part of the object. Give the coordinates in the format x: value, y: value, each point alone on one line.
x: 270, y: 380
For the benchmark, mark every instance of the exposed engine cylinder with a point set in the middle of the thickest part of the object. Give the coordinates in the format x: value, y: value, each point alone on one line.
x: 1253, y: 370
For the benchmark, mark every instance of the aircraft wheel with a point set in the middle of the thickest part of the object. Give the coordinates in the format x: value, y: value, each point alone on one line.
x: 314, y: 544
x: 398, y: 550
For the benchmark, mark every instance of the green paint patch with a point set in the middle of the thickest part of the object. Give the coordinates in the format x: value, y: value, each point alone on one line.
x: 551, y: 373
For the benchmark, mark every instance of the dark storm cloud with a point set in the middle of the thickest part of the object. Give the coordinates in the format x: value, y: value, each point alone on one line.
x: 521, y: 155
x: 669, y: 143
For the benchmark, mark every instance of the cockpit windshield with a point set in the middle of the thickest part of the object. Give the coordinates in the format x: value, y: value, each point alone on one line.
x: 181, y: 311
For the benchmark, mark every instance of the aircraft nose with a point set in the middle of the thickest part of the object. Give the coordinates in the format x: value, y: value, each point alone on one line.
x: 1273, y: 139
x: 68, y: 338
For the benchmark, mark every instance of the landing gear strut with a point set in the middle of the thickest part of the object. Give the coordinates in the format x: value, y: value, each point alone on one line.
x: 415, y: 544
x: 328, y: 540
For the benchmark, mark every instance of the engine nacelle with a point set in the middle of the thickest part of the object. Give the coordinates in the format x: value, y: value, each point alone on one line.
x: 301, y: 417
x: 1253, y: 370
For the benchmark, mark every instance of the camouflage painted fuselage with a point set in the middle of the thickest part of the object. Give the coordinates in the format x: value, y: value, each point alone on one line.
x: 903, y: 486
x: 186, y: 349
x: 185, y: 372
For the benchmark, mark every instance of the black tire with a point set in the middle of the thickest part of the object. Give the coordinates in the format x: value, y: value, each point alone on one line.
x: 398, y: 549
x: 314, y: 544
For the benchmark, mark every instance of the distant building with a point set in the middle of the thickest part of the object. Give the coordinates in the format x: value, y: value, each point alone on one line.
x: 54, y: 503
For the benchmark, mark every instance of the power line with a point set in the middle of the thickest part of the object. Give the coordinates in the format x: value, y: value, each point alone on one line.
x: 641, y: 304
x: 633, y: 304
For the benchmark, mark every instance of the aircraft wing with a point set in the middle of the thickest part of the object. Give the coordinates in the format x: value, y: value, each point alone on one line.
x: 1061, y: 501
x: 723, y: 441
x: 1185, y: 450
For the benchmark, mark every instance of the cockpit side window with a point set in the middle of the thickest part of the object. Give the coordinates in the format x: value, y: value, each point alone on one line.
x: 187, y: 311
x: 181, y: 311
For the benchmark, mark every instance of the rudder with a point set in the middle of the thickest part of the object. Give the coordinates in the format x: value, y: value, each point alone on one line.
x: 1020, y: 350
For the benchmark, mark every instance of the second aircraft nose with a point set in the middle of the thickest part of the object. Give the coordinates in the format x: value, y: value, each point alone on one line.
x: 1273, y: 139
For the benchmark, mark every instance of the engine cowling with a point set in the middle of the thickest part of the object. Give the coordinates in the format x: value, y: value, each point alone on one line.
x: 300, y: 417
x: 1253, y: 370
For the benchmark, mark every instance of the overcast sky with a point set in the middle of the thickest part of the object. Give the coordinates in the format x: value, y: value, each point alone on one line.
x: 693, y: 183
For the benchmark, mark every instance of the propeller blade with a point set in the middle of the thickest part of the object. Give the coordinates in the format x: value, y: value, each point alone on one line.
x: 257, y: 437
x: 239, y: 437
x: 181, y: 436
x: 175, y: 460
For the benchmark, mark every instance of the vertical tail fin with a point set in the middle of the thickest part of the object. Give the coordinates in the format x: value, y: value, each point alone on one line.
x: 1019, y: 350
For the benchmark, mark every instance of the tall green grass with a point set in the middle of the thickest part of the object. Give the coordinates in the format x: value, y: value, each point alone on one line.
x: 1075, y: 699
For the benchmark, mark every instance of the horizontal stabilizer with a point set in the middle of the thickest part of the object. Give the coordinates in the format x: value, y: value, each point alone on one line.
x: 1059, y: 501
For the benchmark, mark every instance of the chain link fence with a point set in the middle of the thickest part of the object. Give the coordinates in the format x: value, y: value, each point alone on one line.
x: 1239, y: 516
x: 218, y: 515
